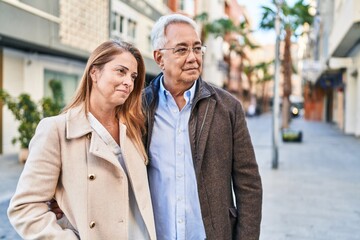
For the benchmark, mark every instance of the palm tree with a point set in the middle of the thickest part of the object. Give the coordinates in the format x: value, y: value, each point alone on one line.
x: 292, y: 21
x: 226, y: 29
x: 263, y: 77
x: 241, y: 47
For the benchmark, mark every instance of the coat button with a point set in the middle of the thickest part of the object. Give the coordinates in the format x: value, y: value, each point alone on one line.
x: 92, y: 176
x: 92, y: 224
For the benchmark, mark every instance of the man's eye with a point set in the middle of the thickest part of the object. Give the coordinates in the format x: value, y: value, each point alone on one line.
x: 197, y: 49
x: 181, y: 50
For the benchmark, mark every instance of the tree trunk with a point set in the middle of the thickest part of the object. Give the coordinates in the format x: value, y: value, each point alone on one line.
x: 264, y: 100
x: 287, y: 73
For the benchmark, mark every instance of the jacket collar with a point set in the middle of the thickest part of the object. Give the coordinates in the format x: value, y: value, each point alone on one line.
x: 77, y: 124
x: 203, y: 90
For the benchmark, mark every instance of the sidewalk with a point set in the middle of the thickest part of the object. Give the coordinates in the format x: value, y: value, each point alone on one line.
x: 313, y: 195
x: 10, y: 170
x: 315, y: 192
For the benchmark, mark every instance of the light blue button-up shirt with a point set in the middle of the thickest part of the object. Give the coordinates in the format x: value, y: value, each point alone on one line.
x: 171, y: 171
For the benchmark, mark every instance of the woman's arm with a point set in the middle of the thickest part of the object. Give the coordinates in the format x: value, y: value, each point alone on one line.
x: 28, y: 211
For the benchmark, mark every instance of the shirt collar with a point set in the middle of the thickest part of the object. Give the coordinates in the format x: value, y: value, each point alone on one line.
x: 188, y: 94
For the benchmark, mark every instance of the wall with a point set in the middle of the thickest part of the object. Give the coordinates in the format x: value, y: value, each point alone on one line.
x: 214, y: 53
x: 24, y: 73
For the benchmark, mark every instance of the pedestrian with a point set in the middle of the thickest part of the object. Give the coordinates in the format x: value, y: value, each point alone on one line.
x: 91, y: 158
x: 203, y: 175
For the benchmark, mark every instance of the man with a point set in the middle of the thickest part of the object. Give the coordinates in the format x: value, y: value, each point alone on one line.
x: 199, y: 148
x: 203, y: 176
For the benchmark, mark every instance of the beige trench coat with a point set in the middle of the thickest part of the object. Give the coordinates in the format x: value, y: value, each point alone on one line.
x: 68, y: 160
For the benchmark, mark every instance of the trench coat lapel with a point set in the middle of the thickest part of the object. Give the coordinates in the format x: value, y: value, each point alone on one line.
x: 137, y: 176
x: 77, y: 125
x: 99, y: 148
x: 131, y: 158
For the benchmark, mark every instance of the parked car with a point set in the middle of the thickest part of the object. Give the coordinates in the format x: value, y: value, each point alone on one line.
x: 296, y: 107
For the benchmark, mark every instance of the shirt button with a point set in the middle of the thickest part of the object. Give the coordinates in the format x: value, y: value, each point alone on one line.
x: 180, y: 221
x: 92, y: 224
x: 92, y: 176
x: 179, y: 175
x: 179, y: 153
x: 179, y: 198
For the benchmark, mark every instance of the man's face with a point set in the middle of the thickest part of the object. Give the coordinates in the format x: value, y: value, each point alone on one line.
x: 183, y: 64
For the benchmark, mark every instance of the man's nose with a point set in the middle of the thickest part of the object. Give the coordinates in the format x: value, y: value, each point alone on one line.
x: 191, y: 55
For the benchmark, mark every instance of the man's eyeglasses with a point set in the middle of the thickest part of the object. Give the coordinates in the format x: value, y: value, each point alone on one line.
x: 184, y: 51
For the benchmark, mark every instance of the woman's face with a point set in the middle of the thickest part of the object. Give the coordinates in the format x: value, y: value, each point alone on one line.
x: 113, y: 84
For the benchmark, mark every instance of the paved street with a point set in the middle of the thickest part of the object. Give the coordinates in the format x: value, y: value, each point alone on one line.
x: 313, y: 195
x: 10, y: 169
x: 315, y: 192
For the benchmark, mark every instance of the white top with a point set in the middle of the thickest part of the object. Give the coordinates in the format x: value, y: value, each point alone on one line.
x: 136, y: 225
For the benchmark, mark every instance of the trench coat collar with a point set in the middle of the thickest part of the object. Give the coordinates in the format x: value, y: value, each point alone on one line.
x: 77, y: 124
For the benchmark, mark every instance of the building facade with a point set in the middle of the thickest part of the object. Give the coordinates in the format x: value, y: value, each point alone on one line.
x: 45, y: 40
x: 333, y: 88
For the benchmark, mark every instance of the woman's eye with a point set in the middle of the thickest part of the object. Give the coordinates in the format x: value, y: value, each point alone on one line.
x: 120, y: 70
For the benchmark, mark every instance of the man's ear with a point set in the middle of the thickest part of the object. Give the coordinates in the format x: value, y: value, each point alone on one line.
x: 158, y: 57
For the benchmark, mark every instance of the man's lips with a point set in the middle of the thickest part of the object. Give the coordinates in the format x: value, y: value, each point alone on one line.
x: 190, y: 69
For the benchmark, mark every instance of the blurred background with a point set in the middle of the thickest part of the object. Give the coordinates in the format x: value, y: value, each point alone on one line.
x: 49, y: 41
x: 44, y: 45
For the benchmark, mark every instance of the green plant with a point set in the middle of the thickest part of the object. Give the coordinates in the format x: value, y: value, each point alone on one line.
x: 28, y: 113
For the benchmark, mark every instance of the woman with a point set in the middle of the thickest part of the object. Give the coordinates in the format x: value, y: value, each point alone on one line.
x: 91, y: 158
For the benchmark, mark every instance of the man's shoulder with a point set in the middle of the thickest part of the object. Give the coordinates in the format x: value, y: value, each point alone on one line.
x: 220, y: 93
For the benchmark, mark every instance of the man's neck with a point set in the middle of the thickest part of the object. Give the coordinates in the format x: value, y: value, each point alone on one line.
x: 177, y: 91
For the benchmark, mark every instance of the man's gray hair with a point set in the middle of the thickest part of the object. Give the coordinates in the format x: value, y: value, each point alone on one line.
x: 158, y: 38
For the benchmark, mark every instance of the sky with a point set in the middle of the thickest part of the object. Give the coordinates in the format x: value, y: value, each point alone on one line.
x: 255, y: 11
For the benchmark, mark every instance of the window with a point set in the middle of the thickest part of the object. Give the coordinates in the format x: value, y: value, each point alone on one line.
x: 69, y: 84
x: 114, y: 17
x: 187, y: 6
x: 117, y: 23
x: 121, y: 24
x: 131, y: 28
x: 149, y: 39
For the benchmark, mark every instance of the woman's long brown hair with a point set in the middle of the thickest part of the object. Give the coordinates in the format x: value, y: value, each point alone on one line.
x: 130, y: 113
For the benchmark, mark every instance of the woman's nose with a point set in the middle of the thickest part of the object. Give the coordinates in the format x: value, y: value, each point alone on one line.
x: 128, y: 81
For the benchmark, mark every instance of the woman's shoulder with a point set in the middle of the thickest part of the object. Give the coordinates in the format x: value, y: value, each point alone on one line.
x: 53, y: 119
x: 49, y: 123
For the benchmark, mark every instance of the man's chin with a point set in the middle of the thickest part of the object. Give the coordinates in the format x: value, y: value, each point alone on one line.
x: 191, y: 77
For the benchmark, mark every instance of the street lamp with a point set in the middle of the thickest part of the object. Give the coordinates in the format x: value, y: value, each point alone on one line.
x: 276, y: 98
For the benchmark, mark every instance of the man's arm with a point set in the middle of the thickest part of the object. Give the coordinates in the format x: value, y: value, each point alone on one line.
x: 54, y: 207
x: 246, y: 181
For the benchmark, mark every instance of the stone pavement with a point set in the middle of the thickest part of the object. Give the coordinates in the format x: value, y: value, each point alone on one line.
x: 10, y: 170
x: 313, y: 195
x: 315, y: 192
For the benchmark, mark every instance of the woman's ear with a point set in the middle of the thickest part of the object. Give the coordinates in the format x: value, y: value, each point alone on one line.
x: 93, y: 71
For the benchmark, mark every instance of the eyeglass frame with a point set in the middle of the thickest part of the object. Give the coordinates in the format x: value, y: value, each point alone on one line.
x: 203, y: 50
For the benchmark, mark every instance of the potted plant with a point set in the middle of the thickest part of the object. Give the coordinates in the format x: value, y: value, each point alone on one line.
x: 28, y: 113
